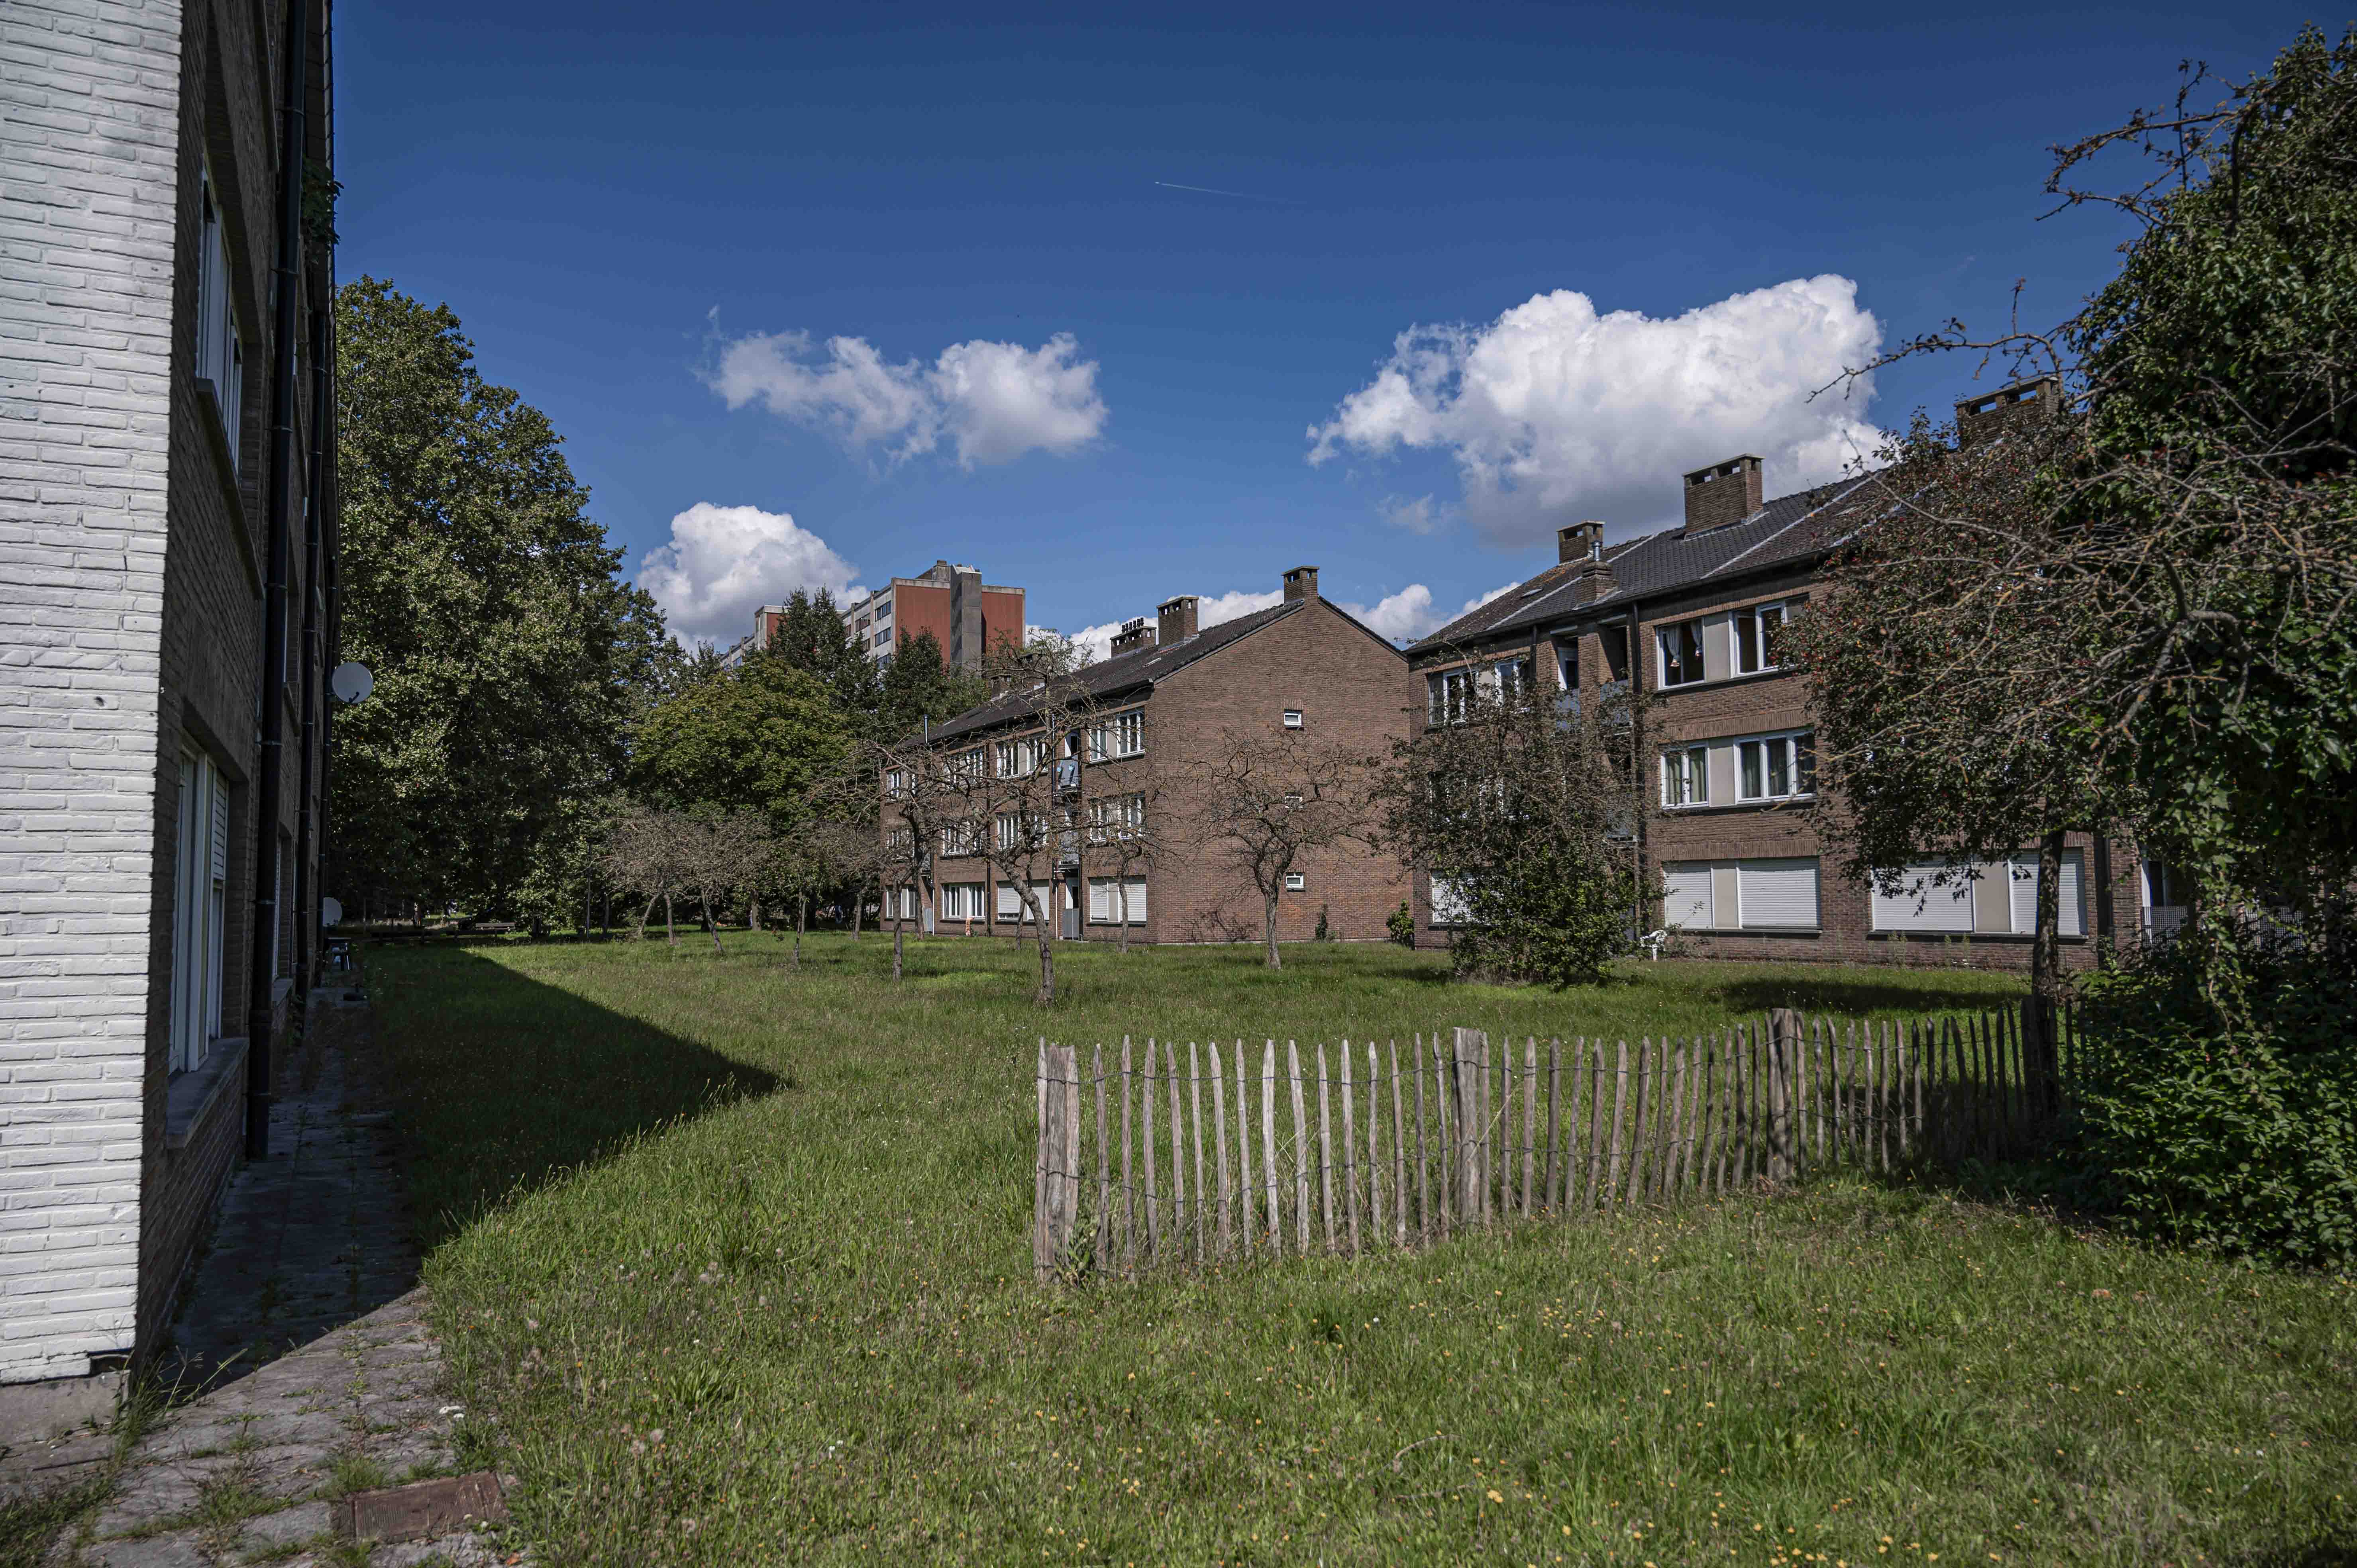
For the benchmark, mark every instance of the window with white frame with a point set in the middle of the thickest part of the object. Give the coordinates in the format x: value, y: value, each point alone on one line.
x: 1448, y: 696
x: 896, y: 783
x: 1105, y: 895
x: 1293, y: 718
x: 966, y: 768
x: 1449, y: 904
x: 883, y: 638
x: 200, y: 910
x: 962, y: 901
x: 1512, y: 678
x: 900, y: 839
x: 1019, y: 759
x: 1741, y: 895
x: 1122, y: 734
x: 1295, y: 881
x: 1991, y: 898
x: 1018, y: 830
x: 1685, y: 776
x: 958, y: 839
x: 1117, y: 817
x: 1775, y: 767
x: 221, y: 351
x: 1681, y: 652
x: 1759, y: 636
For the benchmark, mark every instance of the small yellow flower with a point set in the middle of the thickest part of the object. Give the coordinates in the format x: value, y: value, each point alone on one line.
x: 1494, y: 1497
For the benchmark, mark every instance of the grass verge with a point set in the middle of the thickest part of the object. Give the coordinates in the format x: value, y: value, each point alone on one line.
x: 731, y: 1260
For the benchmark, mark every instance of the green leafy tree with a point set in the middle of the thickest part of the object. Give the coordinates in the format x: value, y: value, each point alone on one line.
x: 766, y: 736
x: 811, y: 637
x: 482, y: 596
x: 919, y: 685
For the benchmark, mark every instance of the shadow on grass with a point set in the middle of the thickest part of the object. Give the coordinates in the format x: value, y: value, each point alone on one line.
x: 1851, y: 994
x: 502, y: 1084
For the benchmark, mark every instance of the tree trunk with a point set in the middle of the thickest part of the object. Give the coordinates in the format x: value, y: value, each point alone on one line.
x: 1124, y: 893
x: 1047, y: 951
x: 2046, y: 962
x: 896, y: 949
x: 710, y: 924
x: 753, y: 916
x: 1268, y: 916
x: 671, y: 927
x: 606, y: 912
x: 644, y: 916
x: 858, y: 906
x: 802, y: 921
x: 587, y: 898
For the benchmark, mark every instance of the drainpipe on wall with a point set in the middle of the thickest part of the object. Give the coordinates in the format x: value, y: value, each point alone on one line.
x: 306, y: 892
x: 260, y: 979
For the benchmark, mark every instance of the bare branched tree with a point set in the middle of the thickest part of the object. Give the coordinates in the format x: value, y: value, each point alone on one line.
x: 1265, y: 798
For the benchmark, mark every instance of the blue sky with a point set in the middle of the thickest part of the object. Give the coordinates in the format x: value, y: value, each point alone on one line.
x: 928, y: 290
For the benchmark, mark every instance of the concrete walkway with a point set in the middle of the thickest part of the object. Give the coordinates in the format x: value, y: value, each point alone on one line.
x: 322, y: 1382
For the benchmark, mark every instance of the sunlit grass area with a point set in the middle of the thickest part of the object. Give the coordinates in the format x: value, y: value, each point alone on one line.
x: 733, y: 1261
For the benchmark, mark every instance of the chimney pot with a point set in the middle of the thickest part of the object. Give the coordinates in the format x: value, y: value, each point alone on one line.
x: 1723, y: 493
x: 1134, y: 635
x: 1301, y: 582
x: 1580, y: 542
x: 1177, y: 618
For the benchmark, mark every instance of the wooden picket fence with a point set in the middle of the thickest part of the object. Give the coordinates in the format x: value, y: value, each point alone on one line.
x: 1447, y: 1133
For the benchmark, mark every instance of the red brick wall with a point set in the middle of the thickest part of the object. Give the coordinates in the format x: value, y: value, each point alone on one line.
x: 1002, y: 618
x: 919, y: 607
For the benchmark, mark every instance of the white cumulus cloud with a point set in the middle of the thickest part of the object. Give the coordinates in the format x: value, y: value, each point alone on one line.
x: 725, y: 562
x: 1555, y: 412
x: 992, y: 402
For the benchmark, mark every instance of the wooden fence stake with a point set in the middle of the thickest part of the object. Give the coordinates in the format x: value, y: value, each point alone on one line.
x: 1195, y: 1096
x: 1350, y: 1154
x: 1374, y: 1152
x: 1105, y: 1166
x: 1300, y: 1154
x: 1039, y: 1174
x: 1268, y: 1148
x: 1399, y: 1148
x: 1423, y: 1167
x: 1177, y: 1156
x: 1069, y: 1211
x: 1128, y: 1180
x: 1530, y: 1113
x: 1247, y: 1226
x: 1145, y: 1129
x: 1326, y: 1148
x: 1221, y: 1236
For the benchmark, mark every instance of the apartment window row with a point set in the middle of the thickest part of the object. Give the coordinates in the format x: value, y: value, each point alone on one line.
x: 1018, y: 830
x: 959, y: 840
x: 1991, y: 898
x: 1122, y: 735
x: 221, y: 348
x: 1744, y: 770
x: 1748, y: 641
x: 1115, y: 818
x: 1010, y: 900
x: 1449, y: 694
x: 1779, y: 893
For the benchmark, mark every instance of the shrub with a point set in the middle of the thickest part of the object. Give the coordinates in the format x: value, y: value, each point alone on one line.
x: 1402, y: 925
x: 2220, y: 1097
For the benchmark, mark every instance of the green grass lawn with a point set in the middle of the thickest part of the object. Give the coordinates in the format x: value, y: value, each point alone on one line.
x: 732, y: 1261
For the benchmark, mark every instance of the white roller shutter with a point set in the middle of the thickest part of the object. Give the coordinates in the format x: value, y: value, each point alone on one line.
x: 1136, y: 899
x: 2023, y: 874
x: 1919, y: 906
x: 1778, y: 892
x: 1685, y: 895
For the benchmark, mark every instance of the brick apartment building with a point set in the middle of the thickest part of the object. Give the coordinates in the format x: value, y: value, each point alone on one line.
x: 166, y: 517
x: 1158, y: 709
x: 1695, y: 613
x: 969, y: 619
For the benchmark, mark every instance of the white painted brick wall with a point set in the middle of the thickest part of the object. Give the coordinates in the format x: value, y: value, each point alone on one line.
x: 89, y: 128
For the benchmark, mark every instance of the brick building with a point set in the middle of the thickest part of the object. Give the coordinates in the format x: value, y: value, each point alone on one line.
x: 1157, y: 712
x: 167, y: 522
x: 970, y: 618
x: 1696, y: 614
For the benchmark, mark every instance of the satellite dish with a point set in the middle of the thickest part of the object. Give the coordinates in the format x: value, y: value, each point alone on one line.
x: 331, y: 912
x: 352, y: 682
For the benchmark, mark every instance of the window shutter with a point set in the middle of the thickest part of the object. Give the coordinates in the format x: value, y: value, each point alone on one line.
x: 221, y: 823
x: 1100, y: 899
x: 1136, y: 899
x: 1919, y: 906
x: 1778, y: 892
x: 2023, y: 876
x: 1685, y: 897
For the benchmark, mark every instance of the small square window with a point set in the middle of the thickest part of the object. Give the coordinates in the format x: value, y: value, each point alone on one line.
x: 1295, y: 881
x: 1293, y: 718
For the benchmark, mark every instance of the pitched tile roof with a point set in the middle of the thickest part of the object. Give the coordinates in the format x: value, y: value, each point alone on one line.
x: 1789, y: 528
x: 1109, y: 678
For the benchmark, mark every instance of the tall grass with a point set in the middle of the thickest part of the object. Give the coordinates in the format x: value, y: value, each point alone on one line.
x: 732, y: 1263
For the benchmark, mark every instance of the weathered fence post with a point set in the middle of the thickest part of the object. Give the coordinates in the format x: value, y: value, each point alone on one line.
x: 1783, y: 1052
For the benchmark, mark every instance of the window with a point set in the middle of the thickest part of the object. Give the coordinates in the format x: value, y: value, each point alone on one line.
x: 962, y: 901
x: 1776, y: 766
x: 960, y: 839
x: 1105, y: 894
x: 1759, y: 636
x: 966, y: 768
x: 1999, y: 899
x: 1681, y: 646
x: 900, y: 839
x: 1019, y: 759
x: 1122, y: 735
x: 896, y: 783
x: 883, y: 612
x: 1293, y: 718
x: 221, y: 352
x: 1685, y: 777
x: 1514, y: 678
x: 1115, y: 818
x: 1295, y: 881
x: 1016, y: 830
x: 200, y: 913
x: 1741, y: 895
x: 1449, y: 905
x: 1450, y: 695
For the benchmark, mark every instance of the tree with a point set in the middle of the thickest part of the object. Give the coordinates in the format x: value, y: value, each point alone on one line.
x: 724, y: 854
x: 648, y: 851
x: 1266, y: 797
x: 483, y: 597
x: 1131, y: 828
x: 811, y: 637
x: 766, y: 736
x: 920, y: 687
x: 1524, y: 810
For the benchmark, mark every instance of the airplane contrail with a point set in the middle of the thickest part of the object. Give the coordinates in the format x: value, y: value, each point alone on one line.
x: 1240, y: 195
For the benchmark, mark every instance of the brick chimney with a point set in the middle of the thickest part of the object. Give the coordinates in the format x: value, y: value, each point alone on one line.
x: 1177, y: 618
x: 1301, y: 582
x: 1134, y: 635
x: 1580, y: 542
x: 1723, y: 493
x: 1987, y: 414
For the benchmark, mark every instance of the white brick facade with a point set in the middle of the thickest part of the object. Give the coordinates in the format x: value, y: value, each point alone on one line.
x: 89, y: 123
